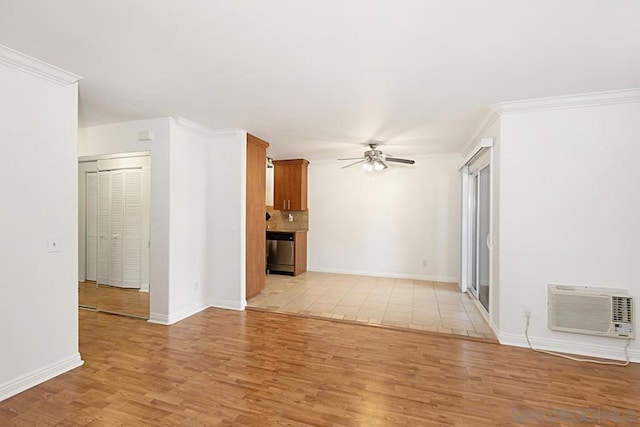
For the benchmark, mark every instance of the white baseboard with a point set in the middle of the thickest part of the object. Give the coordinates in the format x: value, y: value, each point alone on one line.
x: 227, y: 304
x: 163, y: 319
x: 449, y: 279
x: 160, y: 319
x: 38, y: 376
x: 614, y: 352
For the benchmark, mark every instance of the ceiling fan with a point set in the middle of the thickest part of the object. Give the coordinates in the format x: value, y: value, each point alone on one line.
x: 376, y: 160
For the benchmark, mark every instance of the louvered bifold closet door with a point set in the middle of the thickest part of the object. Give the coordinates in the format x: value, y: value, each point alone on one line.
x: 132, y: 235
x: 92, y: 225
x: 104, y: 227
x: 117, y: 228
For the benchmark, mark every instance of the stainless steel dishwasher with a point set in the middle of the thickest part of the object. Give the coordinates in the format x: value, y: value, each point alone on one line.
x: 280, y: 252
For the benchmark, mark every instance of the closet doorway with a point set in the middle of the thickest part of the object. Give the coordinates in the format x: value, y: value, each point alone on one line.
x: 113, y: 235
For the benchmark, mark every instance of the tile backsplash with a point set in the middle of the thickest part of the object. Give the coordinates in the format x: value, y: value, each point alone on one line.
x: 280, y: 220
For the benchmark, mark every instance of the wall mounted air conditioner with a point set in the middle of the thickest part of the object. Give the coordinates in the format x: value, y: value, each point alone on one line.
x: 591, y: 311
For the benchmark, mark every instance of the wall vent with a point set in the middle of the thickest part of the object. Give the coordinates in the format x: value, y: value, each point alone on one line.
x: 591, y: 311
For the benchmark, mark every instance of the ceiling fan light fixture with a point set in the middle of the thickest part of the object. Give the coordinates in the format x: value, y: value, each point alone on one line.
x: 374, y: 160
x: 379, y: 165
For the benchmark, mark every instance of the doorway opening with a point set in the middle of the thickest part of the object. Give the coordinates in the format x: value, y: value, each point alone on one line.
x: 476, y: 230
x: 113, y: 234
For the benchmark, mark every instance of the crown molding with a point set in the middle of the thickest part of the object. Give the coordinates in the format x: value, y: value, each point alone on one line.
x: 623, y: 96
x: 19, y: 61
x: 196, y: 127
x: 487, y: 121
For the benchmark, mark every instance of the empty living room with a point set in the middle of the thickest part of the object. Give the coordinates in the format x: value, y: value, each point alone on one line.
x: 355, y: 213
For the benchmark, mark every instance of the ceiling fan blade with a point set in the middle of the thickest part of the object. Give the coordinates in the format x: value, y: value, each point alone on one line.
x: 352, y: 158
x: 406, y: 161
x: 352, y: 163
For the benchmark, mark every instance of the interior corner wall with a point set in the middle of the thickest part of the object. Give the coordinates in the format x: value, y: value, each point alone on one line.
x: 226, y: 200
x: 569, y: 215
x: 388, y: 223
x: 38, y: 186
x: 188, y: 244
x: 123, y: 138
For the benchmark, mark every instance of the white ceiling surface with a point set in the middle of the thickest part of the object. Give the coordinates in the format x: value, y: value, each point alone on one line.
x: 318, y: 79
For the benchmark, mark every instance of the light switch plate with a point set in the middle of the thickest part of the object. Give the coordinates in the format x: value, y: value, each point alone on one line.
x: 53, y: 245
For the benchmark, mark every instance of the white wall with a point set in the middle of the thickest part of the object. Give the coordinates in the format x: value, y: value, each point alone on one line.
x: 207, y: 219
x: 188, y: 221
x: 197, y: 211
x: 207, y: 246
x: 226, y: 200
x: 123, y: 138
x: 569, y: 208
x: 494, y: 132
x: 386, y: 224
x: 269, y: 187
x: 38, y: 189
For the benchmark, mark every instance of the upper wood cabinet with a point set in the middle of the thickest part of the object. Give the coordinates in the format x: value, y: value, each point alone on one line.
x: 290, y: 184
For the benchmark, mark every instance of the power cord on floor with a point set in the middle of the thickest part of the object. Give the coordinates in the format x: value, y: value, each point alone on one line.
x: 577, y: 359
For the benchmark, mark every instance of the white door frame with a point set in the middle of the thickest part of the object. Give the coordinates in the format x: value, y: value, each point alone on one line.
x: 83, y: 168
x: 478, y: 159
x: 484, y: 164
x: 105, y: 162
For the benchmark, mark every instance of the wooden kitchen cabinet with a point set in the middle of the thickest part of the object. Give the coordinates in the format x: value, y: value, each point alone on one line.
x: 299, y: 252
x: 255, y: 236
x: 290, y: 184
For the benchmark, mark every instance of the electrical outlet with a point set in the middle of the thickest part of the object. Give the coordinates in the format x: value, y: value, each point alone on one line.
x: 526, y: 311
x: 424, y: 263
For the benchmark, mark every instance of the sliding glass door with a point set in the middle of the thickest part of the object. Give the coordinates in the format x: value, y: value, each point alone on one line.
x: 483, y: 236
x: 479, y: 233
x: 476, y: 228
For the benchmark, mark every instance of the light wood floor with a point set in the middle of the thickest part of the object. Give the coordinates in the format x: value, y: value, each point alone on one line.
x: 232, y: 368
x: 408, y: 304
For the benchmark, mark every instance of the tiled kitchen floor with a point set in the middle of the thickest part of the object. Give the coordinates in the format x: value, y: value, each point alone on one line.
x: 412, y: 304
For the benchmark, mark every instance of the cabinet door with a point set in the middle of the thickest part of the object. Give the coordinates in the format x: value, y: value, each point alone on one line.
x: 297, y: 187
x: 290, y: 185
x: 280, y: 187
x: 255, y: 263
x: 300, y: 256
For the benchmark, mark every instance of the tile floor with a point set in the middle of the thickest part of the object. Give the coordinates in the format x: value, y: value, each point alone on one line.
x: 412, y: 304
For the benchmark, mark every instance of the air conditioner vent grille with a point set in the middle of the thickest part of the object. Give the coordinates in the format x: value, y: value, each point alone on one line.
x: 592, y: 311
x: 622, y: 309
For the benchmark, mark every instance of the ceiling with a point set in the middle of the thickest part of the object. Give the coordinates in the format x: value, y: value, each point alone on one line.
x: 318, y: 79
